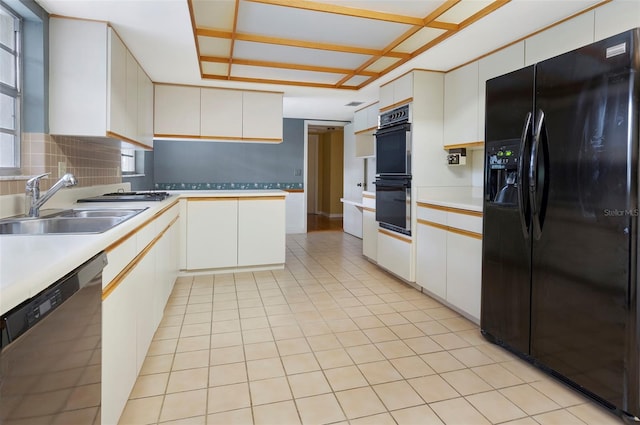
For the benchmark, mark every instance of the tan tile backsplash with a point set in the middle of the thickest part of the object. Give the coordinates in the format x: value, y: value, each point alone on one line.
x: 93, y: 162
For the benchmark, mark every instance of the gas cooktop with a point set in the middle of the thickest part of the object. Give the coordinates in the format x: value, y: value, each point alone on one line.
x: 128, y: 197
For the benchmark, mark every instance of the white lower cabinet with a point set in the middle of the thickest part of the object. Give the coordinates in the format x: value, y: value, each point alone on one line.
x: 369, y: 234
x: 431, y: 267
x: 464, y: 272
x: 227, y: 233
x: 394, y: 254
x: 449, y: 257
x: 133, y: 302
x: 212, y: 233
x: 261, y: 232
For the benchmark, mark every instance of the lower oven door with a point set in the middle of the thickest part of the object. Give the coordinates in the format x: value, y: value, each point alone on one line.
x: 393, y: 203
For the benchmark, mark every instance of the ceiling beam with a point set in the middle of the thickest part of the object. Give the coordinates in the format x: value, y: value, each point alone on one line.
x: 280, y: 82
x: 283, y: 65
x: 207, y: 32
x: 233, y: 38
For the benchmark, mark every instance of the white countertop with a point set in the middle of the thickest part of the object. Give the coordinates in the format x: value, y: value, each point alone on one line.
x: 466, y: 198
x: 31, y: 263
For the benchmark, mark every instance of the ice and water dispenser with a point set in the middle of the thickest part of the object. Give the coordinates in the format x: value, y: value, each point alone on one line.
x: 502, y: 171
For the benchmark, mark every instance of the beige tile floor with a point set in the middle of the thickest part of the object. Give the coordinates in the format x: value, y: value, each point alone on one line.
x: 333, y: 339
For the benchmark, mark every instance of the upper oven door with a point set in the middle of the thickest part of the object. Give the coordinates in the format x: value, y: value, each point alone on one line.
x: 393, y: 150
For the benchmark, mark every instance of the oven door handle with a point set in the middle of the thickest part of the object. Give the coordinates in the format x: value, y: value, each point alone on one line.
x: 405, y: 127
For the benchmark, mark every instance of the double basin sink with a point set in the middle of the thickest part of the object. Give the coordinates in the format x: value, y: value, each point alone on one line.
x: 77, y: 220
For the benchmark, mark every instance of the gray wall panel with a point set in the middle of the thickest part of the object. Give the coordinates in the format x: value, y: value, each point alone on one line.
x: 231, y: 162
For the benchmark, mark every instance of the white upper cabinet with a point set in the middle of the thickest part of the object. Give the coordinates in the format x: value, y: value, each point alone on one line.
x: 562, y: 38
x: 176, y: 111
x: 217, y: 114
x: 262, y: 116
x: 499, y: 63
x: 365, y: 122
x: 145, y: 108
x: 461, y: 105
x: 93, y: 83
x: 396, y: 92
x: 221, y: 113
x: 616, y: 17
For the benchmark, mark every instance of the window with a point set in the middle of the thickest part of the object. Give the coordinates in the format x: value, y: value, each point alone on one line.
x: 10, y: 89
x: 132, y: 161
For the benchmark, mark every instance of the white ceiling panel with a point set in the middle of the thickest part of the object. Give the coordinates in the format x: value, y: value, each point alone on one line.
x: 286, y: 22
x: 214, y: 68
x: 297, y: 55
x: 220, y: 47
x: 419, y: 39
x: 413, y: 8
x: 463, y: 10
x: 381, y: 64
x: 216, y: 14
x: 356, y: 81
x: 264, y: 73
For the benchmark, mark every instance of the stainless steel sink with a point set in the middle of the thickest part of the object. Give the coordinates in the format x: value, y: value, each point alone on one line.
x: 113, y: 212
x: 68, y: 222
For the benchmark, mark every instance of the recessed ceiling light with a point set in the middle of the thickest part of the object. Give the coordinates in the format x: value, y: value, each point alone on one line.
x: 354, y: 103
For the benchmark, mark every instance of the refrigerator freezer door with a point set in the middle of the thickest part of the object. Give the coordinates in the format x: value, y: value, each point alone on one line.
x: 506, y: 243
x: 585, y: 176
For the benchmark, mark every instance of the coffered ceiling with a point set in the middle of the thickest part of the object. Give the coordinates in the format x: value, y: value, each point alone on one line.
x: 323, y: 43
x: 322, y: 54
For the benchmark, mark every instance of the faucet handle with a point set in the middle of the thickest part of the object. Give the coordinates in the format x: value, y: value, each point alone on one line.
x: 34, y: 180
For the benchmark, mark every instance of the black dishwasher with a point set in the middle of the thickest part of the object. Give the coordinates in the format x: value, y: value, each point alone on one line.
x: 50, y: 352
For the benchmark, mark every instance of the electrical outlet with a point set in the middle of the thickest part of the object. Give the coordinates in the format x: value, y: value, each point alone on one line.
x: 297, y: 172
x: 62, y: 168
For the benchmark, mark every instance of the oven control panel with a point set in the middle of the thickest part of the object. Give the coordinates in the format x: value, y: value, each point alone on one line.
x: 395, y: 116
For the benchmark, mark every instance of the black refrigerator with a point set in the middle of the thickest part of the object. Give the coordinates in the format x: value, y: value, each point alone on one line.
x: 560, y: 251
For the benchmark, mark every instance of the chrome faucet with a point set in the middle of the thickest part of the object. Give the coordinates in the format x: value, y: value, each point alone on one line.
x: 33, y: 201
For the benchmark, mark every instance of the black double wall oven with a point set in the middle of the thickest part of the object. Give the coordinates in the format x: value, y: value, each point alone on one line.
x: 393, y: 170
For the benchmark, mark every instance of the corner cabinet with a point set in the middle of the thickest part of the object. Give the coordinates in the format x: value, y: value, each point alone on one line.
x: 96, y: 87
x: 449, y: 256
x: 203, y: 113
x: 235, y: 233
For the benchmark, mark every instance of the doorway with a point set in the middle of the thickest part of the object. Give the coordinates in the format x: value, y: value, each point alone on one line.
x: 324, y: 150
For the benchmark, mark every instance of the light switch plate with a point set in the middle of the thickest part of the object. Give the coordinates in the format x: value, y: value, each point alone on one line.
x: 62, y: 168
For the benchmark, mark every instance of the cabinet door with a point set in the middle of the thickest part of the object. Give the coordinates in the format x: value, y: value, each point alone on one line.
x: 562, y: 38
x: 499, y: 63
x: 119, y: 368
x: 403, y: 89
x: 386, y: 95
x: 78, y: 76
x: 262, y: 116
x: 145, y: 296
x: 372, y: 116
x: 221, y: 113
x: 360, y: 120
x: 131, y: 105
x: 395, y: 254
x: 461, y: 105
x: 145, y: 109
x: 261, y: 231
x: 369, y: 234
x: 212, y: 233
x: 464, y: 273
x: 177, y: 111
x: 431, y: 259
x: 117, y: 88
x: 616, y: 17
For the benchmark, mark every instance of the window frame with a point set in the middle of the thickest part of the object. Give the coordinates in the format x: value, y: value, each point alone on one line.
x: 14, y: 92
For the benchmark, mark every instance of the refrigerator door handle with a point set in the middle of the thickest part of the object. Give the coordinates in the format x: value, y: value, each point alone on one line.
x: 533, y: 176
x: 521, y: 180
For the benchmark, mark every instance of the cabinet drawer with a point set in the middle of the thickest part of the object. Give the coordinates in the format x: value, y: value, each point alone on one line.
x: 465, y: 222
x: 434, y: 215
x: 118, y: 257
